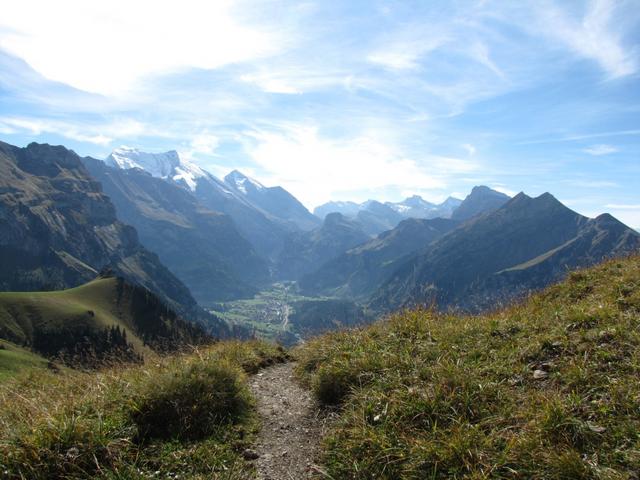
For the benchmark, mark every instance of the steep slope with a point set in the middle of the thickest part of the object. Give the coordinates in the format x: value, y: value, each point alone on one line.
x: 361, y: 270
x: 265, y: 232
x: 203, y: 248
x: 14, y: 360
x: 481, y: 200
x: 304, y: 252
x: 600, y: 238
x: 276, y: 201
x: 58, y: 230
x: 531, y: 240
x: 545, y: 389
x: 103, y: 319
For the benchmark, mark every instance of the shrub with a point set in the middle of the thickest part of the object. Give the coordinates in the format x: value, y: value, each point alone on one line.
x: 192, y: 404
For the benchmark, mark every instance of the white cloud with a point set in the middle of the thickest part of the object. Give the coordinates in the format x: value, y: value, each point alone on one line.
x: 500, y: 188
x: 204, y: 143
x: 299, y: 79
x: 270, y: 83
x: 471, y: 149
x: 37, y: 127
x: 480, y: 53
x: 406, y: 51
x: 316, y: 169
x: 101, y: 134
x: 104, y: 47
x: 601, y: 149
x: 594, y: 37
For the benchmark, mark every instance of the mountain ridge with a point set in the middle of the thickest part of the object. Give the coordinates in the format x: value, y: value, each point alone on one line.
x: 274, y: 201
x: 464, y: 268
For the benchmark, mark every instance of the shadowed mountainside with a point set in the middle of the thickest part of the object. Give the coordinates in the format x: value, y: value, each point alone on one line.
x: 202, y: 247
x: 526, y: 244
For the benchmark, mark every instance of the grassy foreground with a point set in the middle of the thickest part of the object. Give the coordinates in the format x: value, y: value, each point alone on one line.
x: 548, y: 389
x: 187, y: 416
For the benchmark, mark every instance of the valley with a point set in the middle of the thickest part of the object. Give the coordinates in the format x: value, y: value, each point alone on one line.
x: 281, y: 313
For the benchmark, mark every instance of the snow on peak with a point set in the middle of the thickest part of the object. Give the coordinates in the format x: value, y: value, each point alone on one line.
x: 400, y: 208
x: 167, y: 165
x: 240, y: 181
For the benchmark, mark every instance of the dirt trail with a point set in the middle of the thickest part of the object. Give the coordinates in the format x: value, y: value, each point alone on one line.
x: 292, y: 426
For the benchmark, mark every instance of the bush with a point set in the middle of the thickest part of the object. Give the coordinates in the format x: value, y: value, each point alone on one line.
x: 193, y: 403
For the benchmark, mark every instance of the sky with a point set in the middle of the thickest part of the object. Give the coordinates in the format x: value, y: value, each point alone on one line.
x: 342, y: 100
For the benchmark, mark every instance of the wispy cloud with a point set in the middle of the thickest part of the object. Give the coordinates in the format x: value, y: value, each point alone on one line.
x: 601, y: 149
x: 101, y: 134
x: 594, y: 36
x: 583, y: 136
x: 470, y: 149
x: 106, y: 46
x: 317, y: 168
x: 406, y: 50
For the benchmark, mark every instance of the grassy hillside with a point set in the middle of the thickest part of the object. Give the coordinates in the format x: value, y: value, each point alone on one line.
x: 15, y: 360
x: 95, y: 319
x: 186, y: 416
x: 547, y: 389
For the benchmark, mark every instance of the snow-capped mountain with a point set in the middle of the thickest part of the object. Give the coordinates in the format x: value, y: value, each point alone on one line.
x: 414, y: 206
x: 167, y: 165
x: 377, y: 217
x: 242, y: 183
x: 274, y: 201
x: 263, y: 215
x: 417, y: 207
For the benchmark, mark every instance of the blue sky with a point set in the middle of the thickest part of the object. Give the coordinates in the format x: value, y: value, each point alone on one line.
x: 342, y: 99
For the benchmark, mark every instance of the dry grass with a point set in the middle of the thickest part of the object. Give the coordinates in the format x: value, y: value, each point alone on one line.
x: 95, y: 425
x: 547, y: 389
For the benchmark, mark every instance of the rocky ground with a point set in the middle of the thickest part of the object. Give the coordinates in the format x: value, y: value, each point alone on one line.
x: 292, y: 427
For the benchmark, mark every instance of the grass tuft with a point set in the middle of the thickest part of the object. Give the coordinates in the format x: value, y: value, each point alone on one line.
x: 193, y: 403
x: 188, y: 416
x: 546, y: 389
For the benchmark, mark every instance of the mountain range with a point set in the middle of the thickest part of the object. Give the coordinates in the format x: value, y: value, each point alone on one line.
x: 377, y: 217
x: 524, y: 245
x: 163, y: 224
x: 264, y: 231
